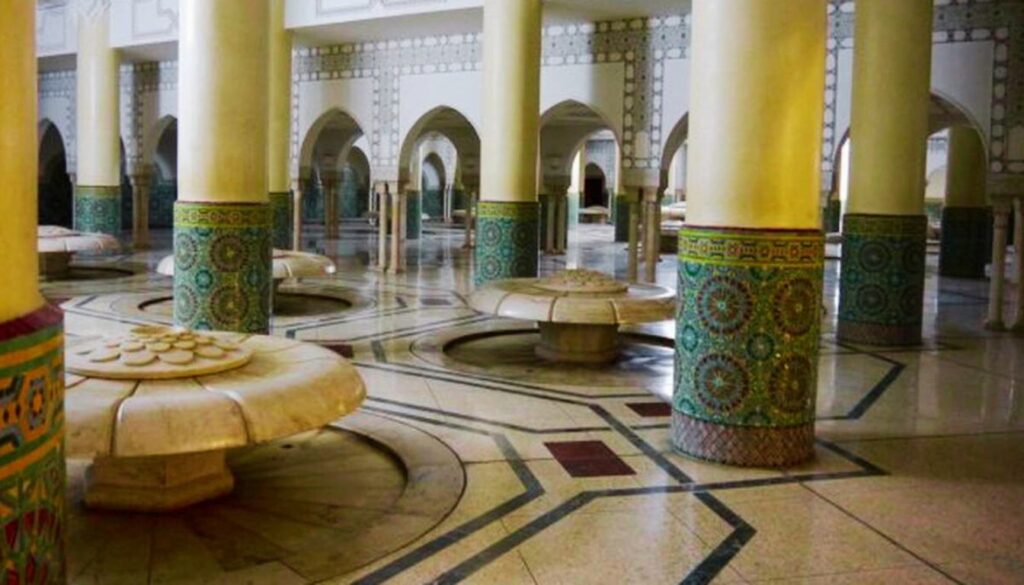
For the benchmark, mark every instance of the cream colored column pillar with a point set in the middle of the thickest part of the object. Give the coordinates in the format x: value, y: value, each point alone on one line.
x: 31, y: 332
x: 997, y: 282
x: 98, y: 124
x: 141, y: 184
x: 222, y: 220
x: 881, y: 290
x: 633, y: 250
x: 652, y: 233
x: 279, y: 126
x: 297, y: 216
x: 966, y: 219
x: 1018, y: 265
x: 383, y: 222
x: 507, y: 214
x: 395, y: 263
x: 751, y: 252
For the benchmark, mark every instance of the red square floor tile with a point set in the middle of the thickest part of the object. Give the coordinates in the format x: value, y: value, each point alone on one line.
x: 650, y: 409
x: 588, y: 459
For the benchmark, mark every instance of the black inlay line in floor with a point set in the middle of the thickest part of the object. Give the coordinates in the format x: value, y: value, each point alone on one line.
x: 454, y: 380
x: 883, y: 535
x: 531, y: 486
x: 461, y: 377
x: 352, y: 317
x: 634, y: 439
x: 427, y: 328
x: 491, y: 422
x: 705, y: 571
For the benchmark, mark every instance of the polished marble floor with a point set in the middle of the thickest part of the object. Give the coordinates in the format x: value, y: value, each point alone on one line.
x: 564, y: 474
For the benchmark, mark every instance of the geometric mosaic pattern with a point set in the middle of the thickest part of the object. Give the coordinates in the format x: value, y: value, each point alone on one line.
x: 966, y: 242
x: 222, y: 266
x: 32, y: 473
x: 508, y: 235
x: 98, y: 209
x: 748, y: 325
x: 881, y: 291
x: 281, y: 209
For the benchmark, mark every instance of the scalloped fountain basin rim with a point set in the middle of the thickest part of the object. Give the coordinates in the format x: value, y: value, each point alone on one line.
x: 157, y: 353
x: 582, y: 281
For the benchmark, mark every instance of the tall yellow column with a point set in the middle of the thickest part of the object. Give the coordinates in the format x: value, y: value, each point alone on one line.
x: 966, y: 218
x: 280, y: 128
x: 222, y: 220
x: 752, y: 251
x: 508, y: 213
x: 97, y: 83
x: 881, y: 287
x: 31, y: 332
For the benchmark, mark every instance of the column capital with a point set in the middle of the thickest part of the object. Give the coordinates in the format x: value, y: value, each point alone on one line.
x: 92, y: 10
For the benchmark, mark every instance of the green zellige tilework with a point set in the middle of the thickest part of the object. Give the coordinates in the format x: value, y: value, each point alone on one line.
x: 881, y: 287
x: 749, y: 318
x: 507, y: 240
x: 966, y: 242
x: 222, y: 266
x: 281, y: 206
x: 98, y: 209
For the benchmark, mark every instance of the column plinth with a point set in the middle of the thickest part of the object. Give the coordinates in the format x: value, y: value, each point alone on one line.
x: 747, y: 344
x: 222, y: 266
x: 507, y: 240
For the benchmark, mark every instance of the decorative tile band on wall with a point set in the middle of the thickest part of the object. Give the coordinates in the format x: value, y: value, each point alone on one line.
x: 413, y: 215
x: 222, y: 266
x: 32, y: 472
x: 281, y: 209
x: 98, y: 209
x: 747, y: 335
x: 966, y: 242
x: 881, y: 287
x: 621, y: 217
x: 507, y: 240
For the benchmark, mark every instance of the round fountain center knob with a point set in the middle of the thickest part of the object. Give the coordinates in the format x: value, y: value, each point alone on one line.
x: 582, y: 281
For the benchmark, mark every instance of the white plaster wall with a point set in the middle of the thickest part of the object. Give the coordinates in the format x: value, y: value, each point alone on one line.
x: 302, y: 13
x: 599, y: 86
x: 676, y: 96
x: 962, y: 74
x: 461, y: 91
x: 143, y: 22
x: 352, y: 96
x: 56, y: 33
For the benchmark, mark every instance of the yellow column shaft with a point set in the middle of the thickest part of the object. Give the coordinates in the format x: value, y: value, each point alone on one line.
x: 756, y: 113
x: 511, y: 111
x: 97, y: 85
x: 889, y: 131
x: 18, y: 160
x: 223, y: 89
x: 966, y: 171
x: 279, y: 136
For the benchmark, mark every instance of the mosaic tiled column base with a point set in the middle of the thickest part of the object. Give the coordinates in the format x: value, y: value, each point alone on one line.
x: 98, y: 209
x: 413, y: 215
x: 881, y: 287
x: 507, y: 240
x: 32, y: 473
x: 621, y: 218
x: 222, y: 266
x: 747, y: 335
x: 281, y: 209
x: 966, y: 242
